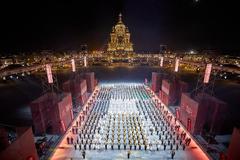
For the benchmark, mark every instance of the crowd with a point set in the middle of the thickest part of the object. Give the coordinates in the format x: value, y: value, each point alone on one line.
x: 126, y: 117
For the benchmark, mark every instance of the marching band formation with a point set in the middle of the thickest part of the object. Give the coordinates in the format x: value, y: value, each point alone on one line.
x: 126, y: 117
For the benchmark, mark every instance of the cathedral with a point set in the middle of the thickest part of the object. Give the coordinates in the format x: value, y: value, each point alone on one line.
x: 120, y: 38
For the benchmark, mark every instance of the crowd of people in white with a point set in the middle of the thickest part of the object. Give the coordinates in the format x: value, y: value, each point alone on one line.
x: 125, y: 117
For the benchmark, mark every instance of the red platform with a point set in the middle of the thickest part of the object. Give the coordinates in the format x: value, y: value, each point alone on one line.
x: 156, y: 81
x: 233, y: 149
x: 203, y: 111
x: 78, y: 88
x: 52, y: 113
x: 170, y: 93
x: 21, y: 148
x: 90, y: 78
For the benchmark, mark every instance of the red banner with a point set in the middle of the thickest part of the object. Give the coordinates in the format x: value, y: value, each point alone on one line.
x: 207, y: 73
x: 49, y: 73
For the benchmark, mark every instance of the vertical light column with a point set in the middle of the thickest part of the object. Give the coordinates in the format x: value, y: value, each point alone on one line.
x: 73, y: 65
x: 49, y: 73
x: 161, y: 61
x: 176, y: 65
x: 85, y: 61
x: 207, y: 73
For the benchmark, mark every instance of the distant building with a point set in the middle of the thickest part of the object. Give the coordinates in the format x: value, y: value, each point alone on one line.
x: 233, y: 149
x: 203, y: 112
x: 163, y: 49
x: 52, y: 113
x: 120, y: 38
x: 17, y: 143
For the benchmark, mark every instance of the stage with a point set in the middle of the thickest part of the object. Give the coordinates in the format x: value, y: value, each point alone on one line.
x: 126, y: 119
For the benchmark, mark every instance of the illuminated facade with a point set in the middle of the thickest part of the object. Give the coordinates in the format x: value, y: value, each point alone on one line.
x: 120, y: 38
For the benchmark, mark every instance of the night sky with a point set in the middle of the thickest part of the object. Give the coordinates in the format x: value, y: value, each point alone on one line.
x: 181, y: 24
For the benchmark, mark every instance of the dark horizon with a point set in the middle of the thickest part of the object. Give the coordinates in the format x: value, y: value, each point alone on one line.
x: 180, y: 24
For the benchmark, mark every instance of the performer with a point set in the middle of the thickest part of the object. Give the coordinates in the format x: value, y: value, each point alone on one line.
x: 173, y: 153
x: 128, y: 154
x: 83, y: 154
x: 68, y: 141
x: 164, y: 146
x: 183, y: 146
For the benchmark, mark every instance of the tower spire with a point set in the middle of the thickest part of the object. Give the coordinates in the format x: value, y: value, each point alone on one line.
x: 120, y: 17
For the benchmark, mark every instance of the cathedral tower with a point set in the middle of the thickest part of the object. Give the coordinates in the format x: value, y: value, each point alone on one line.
x: 120, y: 38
